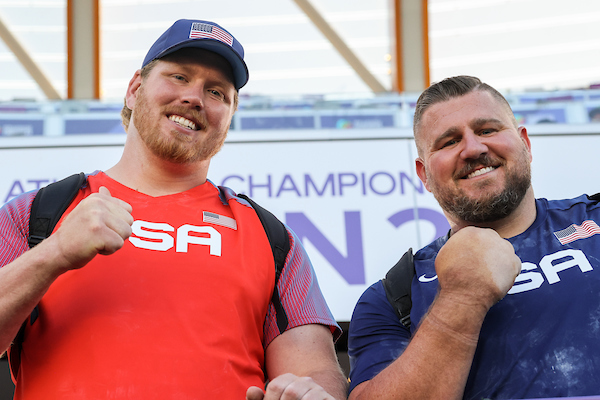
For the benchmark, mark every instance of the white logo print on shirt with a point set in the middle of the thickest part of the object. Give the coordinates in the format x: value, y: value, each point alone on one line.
x: 161, y: 240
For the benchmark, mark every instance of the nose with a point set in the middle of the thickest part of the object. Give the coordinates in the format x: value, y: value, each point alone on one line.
x: 473, y: 146
x: 193, y: 95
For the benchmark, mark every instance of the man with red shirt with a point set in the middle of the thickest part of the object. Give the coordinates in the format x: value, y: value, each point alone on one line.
x: 142, y: 293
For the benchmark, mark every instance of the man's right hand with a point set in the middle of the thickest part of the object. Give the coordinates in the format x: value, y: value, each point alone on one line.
x: 99, y: 224
x: 476, y: 267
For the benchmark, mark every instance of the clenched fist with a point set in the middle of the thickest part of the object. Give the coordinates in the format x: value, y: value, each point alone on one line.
x: 477, y: 267
x: 99, y: 224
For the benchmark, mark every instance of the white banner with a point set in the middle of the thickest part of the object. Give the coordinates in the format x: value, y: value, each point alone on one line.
x: 353, y: 201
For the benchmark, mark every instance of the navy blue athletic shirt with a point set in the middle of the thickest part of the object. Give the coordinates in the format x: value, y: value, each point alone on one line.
x: 541, y: 340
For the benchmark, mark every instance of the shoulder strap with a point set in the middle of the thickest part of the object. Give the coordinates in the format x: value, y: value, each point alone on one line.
x: 280, y: 245
x: 397, y: 285
x: 595, y: 197
x: 49, y: 205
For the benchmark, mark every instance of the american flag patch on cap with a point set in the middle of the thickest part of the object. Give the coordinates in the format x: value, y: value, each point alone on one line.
x: 206, y: 31
x: 217, y: 219
x: 576, y: 232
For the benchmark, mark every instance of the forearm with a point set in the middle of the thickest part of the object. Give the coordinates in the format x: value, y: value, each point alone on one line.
x: 436, y: 363
x: 475, y: 269
x: 23, y: 282
x: 332, y: 380
x: 304, y: 358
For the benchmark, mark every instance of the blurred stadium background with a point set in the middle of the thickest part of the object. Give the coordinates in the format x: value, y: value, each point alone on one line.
x: 543, y: 54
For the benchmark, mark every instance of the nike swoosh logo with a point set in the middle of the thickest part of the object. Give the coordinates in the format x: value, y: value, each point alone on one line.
x: 426, y: 279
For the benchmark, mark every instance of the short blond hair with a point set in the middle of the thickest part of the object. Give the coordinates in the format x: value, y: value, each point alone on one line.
x: 126, y: 111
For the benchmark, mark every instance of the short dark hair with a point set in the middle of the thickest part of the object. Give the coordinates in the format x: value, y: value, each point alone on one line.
x: 450, y: 88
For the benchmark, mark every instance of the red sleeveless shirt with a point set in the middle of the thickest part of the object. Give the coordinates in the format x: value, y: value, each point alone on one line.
x: 178, y: 312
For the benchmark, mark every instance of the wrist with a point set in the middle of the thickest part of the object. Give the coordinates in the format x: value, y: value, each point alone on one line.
x: 459, y: 315
x: 51, y: 258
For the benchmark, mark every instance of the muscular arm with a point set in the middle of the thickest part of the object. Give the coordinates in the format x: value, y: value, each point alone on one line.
x: 475, y: 269
x: 436, y: 363
x: 23, y: 282
x: 302, y: 364
x: 98, y: 225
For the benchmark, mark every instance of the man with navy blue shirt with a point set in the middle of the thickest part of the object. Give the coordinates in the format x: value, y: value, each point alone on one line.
x: 506, y: 306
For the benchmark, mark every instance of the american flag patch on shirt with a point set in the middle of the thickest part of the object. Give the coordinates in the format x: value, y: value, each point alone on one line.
x: 576, y: 232
x: 217, y: 219
x: 207, y: 31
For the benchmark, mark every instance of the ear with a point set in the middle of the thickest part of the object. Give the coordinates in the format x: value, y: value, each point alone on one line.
x: 132, y: 89
x: 525, y: 138
x: 422, y: 172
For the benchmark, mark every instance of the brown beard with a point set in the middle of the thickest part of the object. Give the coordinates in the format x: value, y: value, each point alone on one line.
x: 493, y: 206
x: 175, y: 147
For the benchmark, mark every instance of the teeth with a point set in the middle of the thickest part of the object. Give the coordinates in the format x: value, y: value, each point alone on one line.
x: 183, y: 122
x: 480, y: 172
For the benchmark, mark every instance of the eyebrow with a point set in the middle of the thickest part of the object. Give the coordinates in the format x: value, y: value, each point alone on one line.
x: 476, y: 124
x: 479, y: 122
x: 448, y: 133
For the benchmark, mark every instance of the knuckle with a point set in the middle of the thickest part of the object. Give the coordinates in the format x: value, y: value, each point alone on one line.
x: 299, y: 387
x: 276, y: 385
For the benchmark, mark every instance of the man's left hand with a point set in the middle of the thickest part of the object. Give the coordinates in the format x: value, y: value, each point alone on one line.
x: 289, y: 387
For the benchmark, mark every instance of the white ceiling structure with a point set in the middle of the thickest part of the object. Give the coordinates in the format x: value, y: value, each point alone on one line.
x: 514, y: 45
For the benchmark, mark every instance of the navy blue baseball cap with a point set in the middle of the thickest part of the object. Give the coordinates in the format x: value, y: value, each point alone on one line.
x: 206, y: 35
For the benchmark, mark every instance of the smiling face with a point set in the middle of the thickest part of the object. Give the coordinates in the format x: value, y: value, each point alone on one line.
x: 473, y: 158
x: 183, y: 108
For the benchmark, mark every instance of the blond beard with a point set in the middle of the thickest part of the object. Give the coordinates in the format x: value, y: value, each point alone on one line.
x: 175, y: 147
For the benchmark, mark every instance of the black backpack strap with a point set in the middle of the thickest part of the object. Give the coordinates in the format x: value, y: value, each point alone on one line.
x: 49, y: 205
x: 397, y: 284
x: 595, y: 197
x: 280, y: 245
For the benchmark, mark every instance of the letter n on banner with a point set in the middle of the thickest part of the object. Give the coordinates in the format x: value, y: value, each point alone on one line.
x: 351, y: 267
